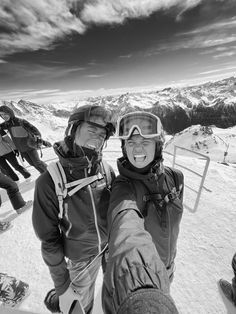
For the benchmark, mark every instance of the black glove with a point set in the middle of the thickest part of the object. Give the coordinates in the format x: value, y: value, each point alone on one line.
x: 46, y: 143
x: 16, y: 152
x: 51, y: 301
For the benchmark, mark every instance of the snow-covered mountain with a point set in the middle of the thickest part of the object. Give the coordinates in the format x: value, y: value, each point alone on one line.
x: 202, y: 118
x: 219, y: 144
x: 212, y: 103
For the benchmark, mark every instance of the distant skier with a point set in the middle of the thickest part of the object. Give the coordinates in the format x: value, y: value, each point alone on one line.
x: 22, y: 133
x: 8, y: 154
x: 228, y: 289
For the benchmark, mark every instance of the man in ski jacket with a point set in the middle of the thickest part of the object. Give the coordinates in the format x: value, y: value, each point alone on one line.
x: 73, y: 241
x: 148, y: 188
x: 22, y: 132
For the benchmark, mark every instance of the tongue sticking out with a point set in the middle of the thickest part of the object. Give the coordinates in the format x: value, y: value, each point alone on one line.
x: 139, y: 158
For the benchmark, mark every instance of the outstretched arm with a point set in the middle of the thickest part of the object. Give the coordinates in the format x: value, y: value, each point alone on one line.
x: 133, y: 261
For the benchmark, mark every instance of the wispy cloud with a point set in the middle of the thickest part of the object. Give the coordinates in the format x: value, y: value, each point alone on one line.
x: 225, y: 69
x: 95, y: 75
x: 126, y: 56
x: 31, y: 25
x: 225, y: 54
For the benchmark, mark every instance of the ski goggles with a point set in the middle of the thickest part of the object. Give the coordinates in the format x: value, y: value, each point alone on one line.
x: 147, y: 124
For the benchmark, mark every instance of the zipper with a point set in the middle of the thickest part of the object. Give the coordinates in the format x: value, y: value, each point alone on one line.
x: 95, y: 219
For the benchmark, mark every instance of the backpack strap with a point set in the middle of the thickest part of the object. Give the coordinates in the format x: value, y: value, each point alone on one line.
x: 143, y: 195
x: 58, y: 175
x: 59, y: 178
x: 178, y: 180
x: 106, y: 171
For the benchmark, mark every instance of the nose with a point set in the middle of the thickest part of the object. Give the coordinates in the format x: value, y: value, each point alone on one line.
x: 138, y: 147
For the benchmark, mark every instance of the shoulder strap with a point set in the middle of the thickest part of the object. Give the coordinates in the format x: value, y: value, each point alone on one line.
x: 178, y: 181
x: 57, y: 173
x: 106, y: 170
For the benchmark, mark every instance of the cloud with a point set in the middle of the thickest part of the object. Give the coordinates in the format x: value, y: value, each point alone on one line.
x: 95, y: 75
x: 231, y: 68
x: 117, y: 11
x: 126, y: 56
x: 215, y: 35
x: 225, y: 54
x: 31, y: 25
x: 28, y: 25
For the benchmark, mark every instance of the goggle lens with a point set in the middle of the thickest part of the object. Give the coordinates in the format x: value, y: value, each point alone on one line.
x: 147, y: 125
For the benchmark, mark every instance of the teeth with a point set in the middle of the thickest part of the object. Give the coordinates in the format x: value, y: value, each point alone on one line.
x: 139, y: 157
x: 91, y: 146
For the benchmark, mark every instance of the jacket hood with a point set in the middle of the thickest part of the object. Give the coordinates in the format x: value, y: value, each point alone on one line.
x: 126, y: 170
x: 76, y: 163
x: 7, y: 110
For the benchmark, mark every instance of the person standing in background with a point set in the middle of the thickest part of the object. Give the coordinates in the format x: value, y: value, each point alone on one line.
x: 22, y: 132
x: 8, y: 154
x: 15, y: 197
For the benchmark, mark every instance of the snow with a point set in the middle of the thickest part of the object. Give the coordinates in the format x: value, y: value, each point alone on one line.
x: 206, y: 243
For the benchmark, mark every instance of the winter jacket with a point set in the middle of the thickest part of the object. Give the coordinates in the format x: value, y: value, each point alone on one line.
x: 6, y: 144
x: 20, y: 130
x: 133, y: 259
x: 82, y: 231
x: 124, y: 197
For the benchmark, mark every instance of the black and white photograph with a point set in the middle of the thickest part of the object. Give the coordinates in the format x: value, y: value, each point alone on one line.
x: 118, y: 156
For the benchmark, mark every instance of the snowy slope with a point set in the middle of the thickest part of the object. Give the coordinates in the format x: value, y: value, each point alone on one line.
x: 206, y: 244
x: 211, y: 141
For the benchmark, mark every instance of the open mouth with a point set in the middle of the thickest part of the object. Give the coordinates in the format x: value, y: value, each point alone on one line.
x: 92, y: 146
x: 139, y: 158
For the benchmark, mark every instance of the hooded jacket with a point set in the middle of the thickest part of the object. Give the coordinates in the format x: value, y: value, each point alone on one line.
x: 20, y: 130
x: 82, y: 232
x: 6, y: 144
x: 124, y: 197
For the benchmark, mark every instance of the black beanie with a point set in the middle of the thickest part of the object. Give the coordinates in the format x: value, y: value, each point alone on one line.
x: 148, y: 301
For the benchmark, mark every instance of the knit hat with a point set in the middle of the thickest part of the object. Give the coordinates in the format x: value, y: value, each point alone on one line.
x: 148, y: 301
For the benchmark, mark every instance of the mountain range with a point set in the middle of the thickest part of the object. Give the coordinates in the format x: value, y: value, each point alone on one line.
x: 212, y: 103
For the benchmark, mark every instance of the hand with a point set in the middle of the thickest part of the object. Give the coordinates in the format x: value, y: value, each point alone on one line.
x: 47, y: 144
x: 66, y: 300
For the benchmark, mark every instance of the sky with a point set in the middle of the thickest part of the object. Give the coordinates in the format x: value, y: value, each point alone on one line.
x: 65, y: 49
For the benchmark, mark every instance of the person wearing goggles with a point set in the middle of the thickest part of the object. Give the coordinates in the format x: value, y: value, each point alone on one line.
x: 144, y: 215
x: 74, y: 236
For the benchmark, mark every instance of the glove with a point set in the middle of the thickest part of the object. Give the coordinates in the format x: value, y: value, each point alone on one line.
x: 51, y: 301
x: 16, y: 152
x: 67, y: 299
x: 46, y: 143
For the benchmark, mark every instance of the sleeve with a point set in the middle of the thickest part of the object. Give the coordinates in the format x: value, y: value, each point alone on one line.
x: 30, y: 128
x: 46, y: 226
x: 122, y: 198
x: 133, y: 261
x: 3, y: 126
